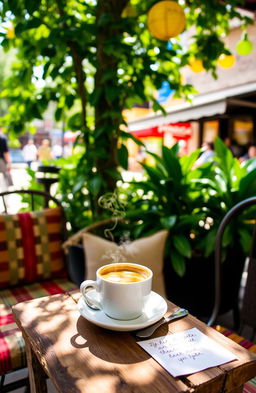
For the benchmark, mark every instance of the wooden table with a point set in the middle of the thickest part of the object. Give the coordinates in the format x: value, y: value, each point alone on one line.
x: 80, y: 357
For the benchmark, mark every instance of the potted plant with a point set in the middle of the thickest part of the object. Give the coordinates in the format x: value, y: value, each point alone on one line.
x: 190, y: 202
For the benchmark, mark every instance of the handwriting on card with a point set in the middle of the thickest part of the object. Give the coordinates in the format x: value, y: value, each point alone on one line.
x: 188, y: 349
x: 186, y: 352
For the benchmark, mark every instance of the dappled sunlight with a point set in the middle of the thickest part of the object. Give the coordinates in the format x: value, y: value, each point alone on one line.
x: 81, y: 353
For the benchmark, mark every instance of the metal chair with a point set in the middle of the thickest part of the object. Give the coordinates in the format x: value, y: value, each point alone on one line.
x: 47, y: 175
x: 247, y: 311
x: 247, y: 314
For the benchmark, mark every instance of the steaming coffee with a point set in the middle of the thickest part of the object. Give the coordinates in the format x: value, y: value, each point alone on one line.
x: 124, y: 273
x: 122, y: 290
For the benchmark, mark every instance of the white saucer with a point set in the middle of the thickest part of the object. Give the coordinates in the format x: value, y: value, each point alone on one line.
x: 154, y: 310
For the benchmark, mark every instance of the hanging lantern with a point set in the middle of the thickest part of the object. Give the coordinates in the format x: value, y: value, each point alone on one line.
x: 226, y: 61
x: 166, y: 19
x: 196, y: 65
x: 244, y: 47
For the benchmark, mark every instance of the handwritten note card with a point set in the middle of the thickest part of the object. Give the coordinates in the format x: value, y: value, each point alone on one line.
x: 186, y: 352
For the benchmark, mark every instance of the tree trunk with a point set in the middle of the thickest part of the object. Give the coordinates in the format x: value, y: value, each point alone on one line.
x: 109, y: 106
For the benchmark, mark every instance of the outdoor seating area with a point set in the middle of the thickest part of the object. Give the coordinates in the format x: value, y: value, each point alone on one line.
x: 44, y: 229
x: 127, y: 196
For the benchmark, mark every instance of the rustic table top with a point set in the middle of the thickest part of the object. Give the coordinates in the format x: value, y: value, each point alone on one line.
x: 81, y: 357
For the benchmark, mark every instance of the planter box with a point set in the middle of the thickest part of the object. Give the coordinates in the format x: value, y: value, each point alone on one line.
x: 195, y: 290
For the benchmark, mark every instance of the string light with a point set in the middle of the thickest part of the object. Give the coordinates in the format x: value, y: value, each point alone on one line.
x: 244, y: 47
x: 226, y: 61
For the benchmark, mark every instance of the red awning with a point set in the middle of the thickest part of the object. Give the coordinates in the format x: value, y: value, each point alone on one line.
x: 178, y: 130
x: 147, y: 132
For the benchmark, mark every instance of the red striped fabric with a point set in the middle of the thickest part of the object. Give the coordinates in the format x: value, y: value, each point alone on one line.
x: 5, y: 356
x: 12, y: 346
x: 21, y: 294
x: 52, y: 287
x: 6, y: 319
x: 28, y: 244
x: 250, y: 386
x: 31, y: 247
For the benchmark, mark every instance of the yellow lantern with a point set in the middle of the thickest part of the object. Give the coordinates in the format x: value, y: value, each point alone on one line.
x: 226, y: 61
x: 196, y: 65
x: 166, y: 19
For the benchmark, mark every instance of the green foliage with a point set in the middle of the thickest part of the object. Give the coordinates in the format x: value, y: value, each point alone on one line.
x: 190, y: 202
x: 94, y: 62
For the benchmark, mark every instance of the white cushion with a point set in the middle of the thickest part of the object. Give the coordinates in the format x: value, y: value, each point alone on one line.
x: 148, y: 251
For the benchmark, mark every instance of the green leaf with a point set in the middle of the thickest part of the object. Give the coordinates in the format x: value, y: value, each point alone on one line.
x: 245, y: 239
x: 32, y: 5
x: 210, y: 242
x: 171, y: 162
x: 139, y: 229
x: 33, y: 23
x: 227, y: 237
x: 114, y: 173
x: 135, y: 213
x: 178, y: 263
x: 19, y: 28
x: 49, y: 51
x: 248, y: 185
x: 34, y: 110
x: 94, y: 184
x: 122, y: 154
x: 75, y: 121
x: 69, y: 100
x: 153, y: 173
x: 157, y: 107
x: 126, y: 135
x: 187, y: 162
x: 182, y: 245
x: 79, y: 185
x: 58, y: 113
x: 168, y: 222
x: 175, y: 149
x: 224, y: 155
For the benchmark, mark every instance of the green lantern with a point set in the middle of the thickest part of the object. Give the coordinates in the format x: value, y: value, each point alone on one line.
x: 244, y: 47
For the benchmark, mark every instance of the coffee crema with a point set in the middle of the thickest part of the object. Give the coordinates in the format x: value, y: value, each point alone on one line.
x: 124, y: 274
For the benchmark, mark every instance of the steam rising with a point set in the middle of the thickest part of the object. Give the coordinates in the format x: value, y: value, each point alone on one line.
x: 111, y: 202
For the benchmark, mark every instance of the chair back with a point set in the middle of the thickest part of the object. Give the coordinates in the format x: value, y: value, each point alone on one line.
x: 248, y: 307
x: 31, y: 239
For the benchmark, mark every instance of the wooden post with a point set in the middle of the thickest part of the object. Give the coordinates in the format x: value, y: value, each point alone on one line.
x: 38, y: 383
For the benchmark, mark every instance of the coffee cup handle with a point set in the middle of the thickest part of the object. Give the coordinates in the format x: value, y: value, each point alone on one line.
x: 86, y: 287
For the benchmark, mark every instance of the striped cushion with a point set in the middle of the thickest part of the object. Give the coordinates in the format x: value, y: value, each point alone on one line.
x: 250, y: 386
x: 12, y: 346
x: 30, y: 247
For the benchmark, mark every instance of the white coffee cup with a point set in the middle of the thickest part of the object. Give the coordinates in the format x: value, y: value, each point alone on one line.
x: 122, y: 289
